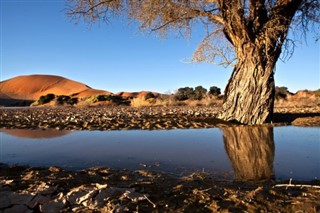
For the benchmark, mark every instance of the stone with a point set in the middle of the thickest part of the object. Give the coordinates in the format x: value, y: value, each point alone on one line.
x: 76, y: 193
x: 134, y: 196
x: 52, y: 206
x: 38, y: 199
x: 89, y: 196
x: 18, y: 209
x: 4, y: 200
x: 17, y: 199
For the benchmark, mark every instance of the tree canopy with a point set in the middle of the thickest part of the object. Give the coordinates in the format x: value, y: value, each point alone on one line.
x: 224, y: 21
x: 250, y: 33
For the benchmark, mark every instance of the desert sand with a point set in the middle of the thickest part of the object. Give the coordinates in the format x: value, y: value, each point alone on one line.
x: 31, y: 87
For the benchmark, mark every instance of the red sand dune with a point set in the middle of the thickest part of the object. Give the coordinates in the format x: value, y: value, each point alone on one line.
x: 92, y: 92
x: 31, y: 87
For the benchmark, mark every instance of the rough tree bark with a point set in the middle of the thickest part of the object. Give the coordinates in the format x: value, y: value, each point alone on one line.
x: 249, y: 95
x: 257, y: 41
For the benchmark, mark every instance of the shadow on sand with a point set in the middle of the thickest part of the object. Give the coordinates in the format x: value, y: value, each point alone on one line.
x: 290, y: 117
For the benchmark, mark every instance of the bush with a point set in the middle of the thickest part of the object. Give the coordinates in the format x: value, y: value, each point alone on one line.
x: 63, y: 99
x: 46, y: 98
x: 215, y: 91
x: 149, y: 95
x: 116, y: 99
x: 184, y: 93
x: 103, y: 98
x: 73, y: 101
x: 281, y: 92
x: 199, y: 93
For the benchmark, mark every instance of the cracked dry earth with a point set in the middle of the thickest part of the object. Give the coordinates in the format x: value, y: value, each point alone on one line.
x: 150, y: 118
x: 25, y: 189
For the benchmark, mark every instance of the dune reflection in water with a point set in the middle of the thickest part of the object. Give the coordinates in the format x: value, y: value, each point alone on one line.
x: 36, y: 133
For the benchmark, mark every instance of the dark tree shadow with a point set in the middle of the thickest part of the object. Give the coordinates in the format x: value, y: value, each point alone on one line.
x: 251, y: 151
x: 290, y: 117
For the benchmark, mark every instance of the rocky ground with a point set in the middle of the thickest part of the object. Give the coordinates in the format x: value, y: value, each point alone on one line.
x: 115, y: 118
x: 25, y: 189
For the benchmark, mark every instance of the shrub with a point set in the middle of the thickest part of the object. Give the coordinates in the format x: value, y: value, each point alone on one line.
x: 184, y: 93
x: 281, y: 92
x: 116, y: 99
x: 73, y: 101
x: 149, y: 95
x: 199, y: 93
x: 103, y: 98
x: 215, y: 91
x: 46, y: 98
x: 63, y: 99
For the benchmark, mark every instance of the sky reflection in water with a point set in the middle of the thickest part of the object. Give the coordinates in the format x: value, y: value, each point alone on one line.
x: 230, y: 152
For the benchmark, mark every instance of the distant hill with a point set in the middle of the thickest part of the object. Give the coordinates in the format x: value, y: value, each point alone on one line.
x: 31, y: 87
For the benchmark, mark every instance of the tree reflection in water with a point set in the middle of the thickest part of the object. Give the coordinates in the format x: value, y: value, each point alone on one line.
x: 251, y: 151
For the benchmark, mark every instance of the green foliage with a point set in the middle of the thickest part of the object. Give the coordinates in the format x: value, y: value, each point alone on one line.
x: 112, y: 98
x: 116, y: 99
x: 73, y: 101
x: 184, y: 93
x: 215, y: 91
x: 46, y: 98
x: 64, y: 99
x: 103, y: 98
x: 199, y: 93
x: 188, y: 93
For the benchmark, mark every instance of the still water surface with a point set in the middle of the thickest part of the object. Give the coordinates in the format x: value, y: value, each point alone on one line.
x: 230, y: 152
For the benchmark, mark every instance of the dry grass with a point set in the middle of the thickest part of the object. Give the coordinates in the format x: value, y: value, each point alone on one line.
x: 169, y: 100
x: 141, y: 102
x: 206, y: 101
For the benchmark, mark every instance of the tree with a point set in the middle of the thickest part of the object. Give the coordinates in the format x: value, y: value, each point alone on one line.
x: 215, y: 91
x: 255, y: 31
x: 199, y: 92
x: 184, y: 93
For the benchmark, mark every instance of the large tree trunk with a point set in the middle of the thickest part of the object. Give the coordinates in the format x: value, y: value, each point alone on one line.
x: 249, y: 95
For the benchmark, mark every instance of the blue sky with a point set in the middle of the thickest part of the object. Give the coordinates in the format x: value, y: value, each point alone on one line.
x: 37, y: 38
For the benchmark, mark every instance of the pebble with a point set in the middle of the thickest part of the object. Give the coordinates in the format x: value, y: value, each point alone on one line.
x: 103, y: 118
x: 124, y: 118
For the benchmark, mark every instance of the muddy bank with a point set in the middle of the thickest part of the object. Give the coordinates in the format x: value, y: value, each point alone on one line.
x: 117, y: 118
x: 25, y: 189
